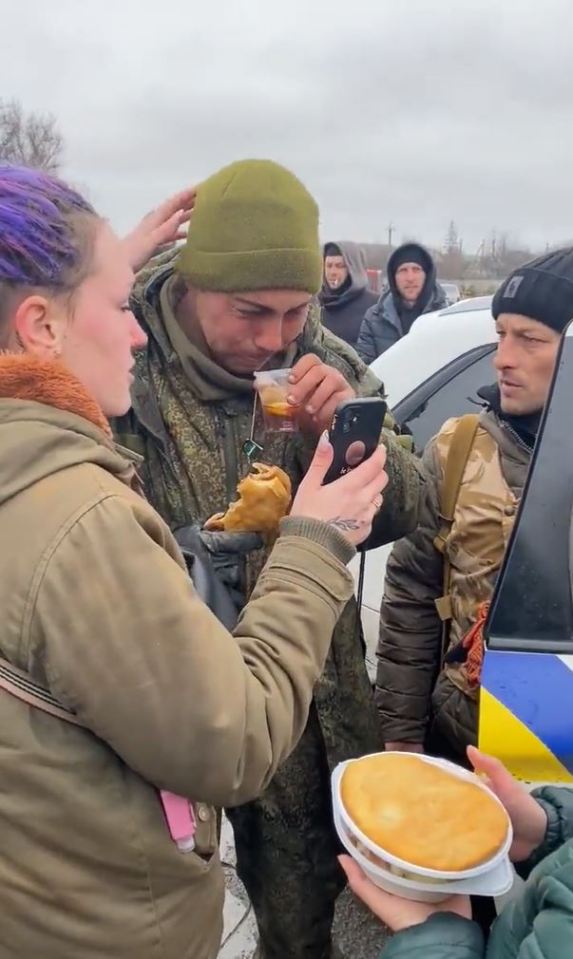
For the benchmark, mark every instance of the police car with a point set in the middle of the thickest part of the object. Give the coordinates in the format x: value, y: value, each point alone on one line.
x: 526, y: 715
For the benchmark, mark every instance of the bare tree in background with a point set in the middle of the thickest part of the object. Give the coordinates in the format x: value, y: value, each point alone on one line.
x: 31, y: 139
x: 450, y: 259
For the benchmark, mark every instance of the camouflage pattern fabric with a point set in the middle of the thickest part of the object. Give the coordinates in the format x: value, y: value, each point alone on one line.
x: 286, y: 853
x: 190, y: 425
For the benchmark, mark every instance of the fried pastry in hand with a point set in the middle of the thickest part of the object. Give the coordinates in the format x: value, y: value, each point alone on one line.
x: 264, y: 498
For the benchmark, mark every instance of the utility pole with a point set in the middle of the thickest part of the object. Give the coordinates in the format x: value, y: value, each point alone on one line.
x: 390, y: 234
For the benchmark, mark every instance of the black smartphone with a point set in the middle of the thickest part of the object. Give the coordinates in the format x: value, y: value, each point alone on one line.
x: 355, y: 433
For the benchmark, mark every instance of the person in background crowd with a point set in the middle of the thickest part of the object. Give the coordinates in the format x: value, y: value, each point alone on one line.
x: 345, y: 296
x: 120, y: 692
x: 412, y: 290
x: 238, y: 297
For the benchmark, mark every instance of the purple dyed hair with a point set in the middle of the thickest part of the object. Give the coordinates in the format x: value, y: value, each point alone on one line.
x: 42, y: 233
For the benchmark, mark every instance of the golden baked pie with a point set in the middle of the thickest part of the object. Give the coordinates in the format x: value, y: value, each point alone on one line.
x: 423, y: 813
x: 264, y: 499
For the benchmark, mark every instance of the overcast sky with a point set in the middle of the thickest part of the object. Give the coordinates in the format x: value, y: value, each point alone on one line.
x: 413, y: 113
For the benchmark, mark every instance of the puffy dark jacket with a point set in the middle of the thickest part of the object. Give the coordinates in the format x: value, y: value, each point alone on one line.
x: 537, y: 924
x: 385, y: 323
x: 407, y: 694
x: 343, y: 309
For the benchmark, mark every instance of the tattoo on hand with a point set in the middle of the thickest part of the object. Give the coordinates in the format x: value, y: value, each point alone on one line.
x: 345, y: 525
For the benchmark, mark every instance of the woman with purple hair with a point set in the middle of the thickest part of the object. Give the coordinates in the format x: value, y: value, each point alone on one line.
x: 126, y: 708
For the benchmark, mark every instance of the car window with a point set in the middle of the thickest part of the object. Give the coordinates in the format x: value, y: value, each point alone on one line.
x: 532, y: 609
x: 452, y: 391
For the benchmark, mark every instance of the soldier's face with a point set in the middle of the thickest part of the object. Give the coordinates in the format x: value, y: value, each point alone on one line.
x: 244, y: 330
x: 524, y: 361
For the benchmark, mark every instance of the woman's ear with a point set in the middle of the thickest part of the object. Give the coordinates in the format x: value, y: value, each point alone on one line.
x: 39, y: 326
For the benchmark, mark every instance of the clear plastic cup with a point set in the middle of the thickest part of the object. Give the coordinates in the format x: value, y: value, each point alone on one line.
x: 273, y: 388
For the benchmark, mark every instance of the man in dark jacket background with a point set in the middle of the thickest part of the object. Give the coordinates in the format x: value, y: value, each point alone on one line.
x: 345, y: 296
x: 412, y: 290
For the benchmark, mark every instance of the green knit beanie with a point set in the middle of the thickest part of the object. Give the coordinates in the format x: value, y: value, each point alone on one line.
x: 254, y: 227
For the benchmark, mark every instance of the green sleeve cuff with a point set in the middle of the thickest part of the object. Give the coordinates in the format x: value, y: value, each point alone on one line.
x: 443, y: 936
x: 321, y: 533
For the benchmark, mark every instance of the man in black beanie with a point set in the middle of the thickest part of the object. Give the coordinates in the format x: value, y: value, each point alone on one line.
x: 440, y: 579
x: 412, y: 290
x: 531, y: 310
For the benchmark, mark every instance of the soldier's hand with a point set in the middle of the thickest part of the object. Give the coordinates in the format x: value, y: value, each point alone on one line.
x: 226, y: 553
x: 221, y: 544
x: 317, y: 389
x: 349, y: 503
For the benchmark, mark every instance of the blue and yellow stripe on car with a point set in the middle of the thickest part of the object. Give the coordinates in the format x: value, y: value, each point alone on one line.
x: 526, y: 714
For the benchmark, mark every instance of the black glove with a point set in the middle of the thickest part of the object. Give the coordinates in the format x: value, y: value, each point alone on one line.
x: 219, y: 555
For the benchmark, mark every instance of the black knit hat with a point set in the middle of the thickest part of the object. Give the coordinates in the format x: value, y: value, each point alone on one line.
x: 409, y: 253
x: 541, y: 289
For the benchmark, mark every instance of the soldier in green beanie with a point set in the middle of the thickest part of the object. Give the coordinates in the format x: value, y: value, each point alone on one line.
x: 240, y: 296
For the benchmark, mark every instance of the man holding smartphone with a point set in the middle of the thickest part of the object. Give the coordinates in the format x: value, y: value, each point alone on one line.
x: 240, y: 297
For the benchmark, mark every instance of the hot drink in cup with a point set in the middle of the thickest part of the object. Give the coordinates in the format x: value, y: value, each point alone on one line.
x: 273, y: 389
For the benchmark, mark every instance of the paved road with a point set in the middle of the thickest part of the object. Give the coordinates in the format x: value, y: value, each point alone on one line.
x: 357, y: 933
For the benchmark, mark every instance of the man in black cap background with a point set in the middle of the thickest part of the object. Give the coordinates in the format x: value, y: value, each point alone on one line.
x: 345, y: 295
x: 431, y: 623
x: 412, y: 290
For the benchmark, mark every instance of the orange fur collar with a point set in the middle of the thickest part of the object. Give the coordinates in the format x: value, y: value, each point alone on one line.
x: 25, y: 377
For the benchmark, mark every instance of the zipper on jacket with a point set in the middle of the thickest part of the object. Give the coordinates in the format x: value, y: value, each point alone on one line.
x: 514, y: 435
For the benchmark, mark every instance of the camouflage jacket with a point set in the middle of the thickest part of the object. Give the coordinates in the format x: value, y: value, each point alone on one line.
x: 180, y: 392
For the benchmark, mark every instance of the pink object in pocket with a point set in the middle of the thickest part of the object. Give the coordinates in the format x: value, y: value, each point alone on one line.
x: 180, y: 819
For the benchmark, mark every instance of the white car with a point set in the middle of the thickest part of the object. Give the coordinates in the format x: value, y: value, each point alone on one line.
x: 451, y: 290
x: 431, y: 374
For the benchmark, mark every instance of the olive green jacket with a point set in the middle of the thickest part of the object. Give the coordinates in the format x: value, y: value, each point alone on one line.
x: 98, y: 607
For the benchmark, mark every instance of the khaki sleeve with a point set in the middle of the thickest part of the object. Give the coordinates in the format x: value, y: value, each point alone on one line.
x: 147, y: 667
x: 410, y: 628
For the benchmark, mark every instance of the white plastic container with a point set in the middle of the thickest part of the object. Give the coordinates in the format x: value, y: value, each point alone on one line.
x: 492, y: 878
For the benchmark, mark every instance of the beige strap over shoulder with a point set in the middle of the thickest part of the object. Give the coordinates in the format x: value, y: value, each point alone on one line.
x: 19, y: 684
x: 456, y: 460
